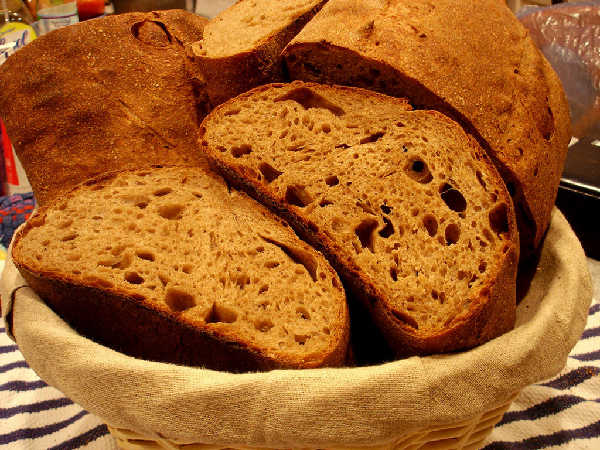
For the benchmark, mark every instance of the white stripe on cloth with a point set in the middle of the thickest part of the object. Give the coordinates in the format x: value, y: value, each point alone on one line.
x: 563, y: 412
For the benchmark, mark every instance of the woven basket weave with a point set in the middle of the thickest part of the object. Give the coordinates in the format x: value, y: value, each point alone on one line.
x: 468, y: 435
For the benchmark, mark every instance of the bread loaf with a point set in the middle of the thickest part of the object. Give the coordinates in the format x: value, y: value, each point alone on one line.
x: 405, y: 205
x: 241, y: 47
x: 168, y: 264
x: 106, y: 94
x: 473, y: 61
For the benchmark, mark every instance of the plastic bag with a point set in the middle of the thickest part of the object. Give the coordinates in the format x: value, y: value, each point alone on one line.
x: 569, y: 36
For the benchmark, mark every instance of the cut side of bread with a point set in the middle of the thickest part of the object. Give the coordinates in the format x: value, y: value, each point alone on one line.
x: 471, y: 60
x: 170, y: 265
x: 241, y: 47
x: 108, y: 94
x: 405, y: 205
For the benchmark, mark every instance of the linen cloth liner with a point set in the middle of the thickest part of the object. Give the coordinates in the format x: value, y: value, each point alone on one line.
x: 320, y: 407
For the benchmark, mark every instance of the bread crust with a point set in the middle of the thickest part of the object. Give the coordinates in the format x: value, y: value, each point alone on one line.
x: 231, y: 75
x: 126, y: 321
x: 494, y: 310
x: 105, y: 94
x: 516, y: 108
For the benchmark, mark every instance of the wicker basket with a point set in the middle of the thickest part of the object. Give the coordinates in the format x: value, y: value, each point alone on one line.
x: 436, y: 402
x: 468, y: 435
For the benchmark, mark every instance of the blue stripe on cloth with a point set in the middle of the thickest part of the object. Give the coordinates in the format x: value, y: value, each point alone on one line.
x: 8, y: 348
x: 594, y: 309
x: 19, y: 386
x: 548, y: 407
x: 82, y: 439
x: 45, y: 405
x: 592, y: 356
x: 548, y: 440
x: 591, y: 332
x: 573, y: 378
x: 2, y: 330
x: 13, y: 365
x: 35, y: 433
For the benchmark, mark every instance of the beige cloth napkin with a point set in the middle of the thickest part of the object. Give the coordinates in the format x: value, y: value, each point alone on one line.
x: 312, y: 408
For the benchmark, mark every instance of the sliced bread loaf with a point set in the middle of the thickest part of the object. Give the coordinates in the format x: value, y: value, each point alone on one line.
x: 406, y: 206
x: 169, y: 265
x: 471, y: 60
x: 241, y: 47
x: 106, y: 94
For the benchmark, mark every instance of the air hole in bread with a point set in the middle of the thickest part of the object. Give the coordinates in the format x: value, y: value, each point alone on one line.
x: 271, y: 264
x: 480, y: 179
x: 298, y: 196
x: 386, y: 209
x: 431, y: 224
x: 145, y: 254
x: 239, y: 151
x: 171, y: 212
x: 394, y: 273
x: 365, y: 233
x: 482, y: 266
x: 187, y: 268
x: 332, y: 180
x: 387, y: 230
x: 488, y: 235
x: 298, y: 256
x: 69, y: 237
x: 453, y: 198
x: 326, y: 128
x: 232, y: 112
x: 162, y: 191
x: 241, y: 280
x: 498, y: 217
x: 269, y: 172
x: 418, y: 170
x: 406, y: 319
x: 342, y: 146
x: 133, y: 278
x: 324, y: 202
x: 221, y: 314
x: 98, y: 187
x: 263, y: 325
x: 263, y: 289
x: 307, y: 98
x: 452, y: 234
x: 301, y: 339
x: 303, y: 313
x: 178, y: 300
x: 141, y: 204
x: 372, y: 138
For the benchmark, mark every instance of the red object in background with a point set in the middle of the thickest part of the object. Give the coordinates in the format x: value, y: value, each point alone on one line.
x: 10, y: 170
x: 88, y: 9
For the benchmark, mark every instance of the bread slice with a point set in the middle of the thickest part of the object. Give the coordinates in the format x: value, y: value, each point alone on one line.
x: 169, y: 265
x: 471, y: 60
x: 405, y: 205
x: 241, y: 47
x: 105, y: 94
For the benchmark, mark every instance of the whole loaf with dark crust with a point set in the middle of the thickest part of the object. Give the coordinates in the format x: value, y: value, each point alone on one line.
x: 105, y: 94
